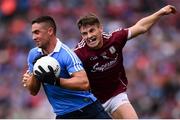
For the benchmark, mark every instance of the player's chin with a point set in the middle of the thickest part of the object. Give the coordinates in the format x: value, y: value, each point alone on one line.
x: 92, y: 45
x: 38, y: 45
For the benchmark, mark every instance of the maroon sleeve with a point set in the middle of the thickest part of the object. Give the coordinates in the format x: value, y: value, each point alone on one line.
x: 120, y: 36
x: 77, y: 53
x: 78, y: 50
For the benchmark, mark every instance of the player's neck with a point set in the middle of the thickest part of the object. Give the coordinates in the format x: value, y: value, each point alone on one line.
x: 100, y: 45
x: 51, y: 46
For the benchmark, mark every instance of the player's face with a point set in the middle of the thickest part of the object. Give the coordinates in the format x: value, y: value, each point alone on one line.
x: 92, y: 34
x: 40, y: 35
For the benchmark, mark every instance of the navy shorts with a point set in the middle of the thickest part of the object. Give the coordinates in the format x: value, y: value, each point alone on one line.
x: 92, y: 111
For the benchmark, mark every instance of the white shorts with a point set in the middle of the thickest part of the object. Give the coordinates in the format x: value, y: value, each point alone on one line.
x: 114, y: 102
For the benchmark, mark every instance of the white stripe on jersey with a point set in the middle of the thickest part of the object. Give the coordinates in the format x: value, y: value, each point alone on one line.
x: 81, y: 44
x: 74, y: 58
x: 129, y: 34
x: 105, y: 35
x: 108, y: 35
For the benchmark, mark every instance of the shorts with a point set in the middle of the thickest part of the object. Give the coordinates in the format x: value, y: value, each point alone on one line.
x: 114, y: 102
x: 91, y: 111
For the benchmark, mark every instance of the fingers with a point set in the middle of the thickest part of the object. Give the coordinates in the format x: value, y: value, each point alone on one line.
x: 173, y: 9
x: 50, y: 69
x: 169, y: 9
x: 37, y: 73
x: 24, y: 81
x: 25, y: 78
x: 41, y: 69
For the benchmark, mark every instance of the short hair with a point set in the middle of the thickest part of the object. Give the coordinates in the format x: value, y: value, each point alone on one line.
x: 90, y: 19
x: 46, y: 19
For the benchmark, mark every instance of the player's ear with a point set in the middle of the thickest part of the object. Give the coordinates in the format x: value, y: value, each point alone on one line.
x: 101, y: 28
x: 50, y: 31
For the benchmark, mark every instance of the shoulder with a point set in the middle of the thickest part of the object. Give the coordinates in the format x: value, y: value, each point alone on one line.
x: 116, y: 32
x: 65, y: 50
x: 80, y: 45
x: 33, y: 52
x: 118, y: 36
x: 80, y: 48
x: 67, y: 53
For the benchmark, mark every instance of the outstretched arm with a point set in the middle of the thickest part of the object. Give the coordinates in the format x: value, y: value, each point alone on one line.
x: 146, y: 23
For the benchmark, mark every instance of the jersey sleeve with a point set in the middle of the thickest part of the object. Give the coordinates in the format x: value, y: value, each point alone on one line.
x: 30, y: 61
x: 31, y: 56
x: 120, y: 36
x: 72, y: 62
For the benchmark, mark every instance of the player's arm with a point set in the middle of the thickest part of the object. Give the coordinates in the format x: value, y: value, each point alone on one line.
x: 29, y: 81
x: 78, y: 81
x: 78, y: 78
x: 146, y: 23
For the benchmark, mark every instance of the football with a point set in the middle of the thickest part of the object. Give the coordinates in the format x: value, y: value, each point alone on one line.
x: 44, y: 62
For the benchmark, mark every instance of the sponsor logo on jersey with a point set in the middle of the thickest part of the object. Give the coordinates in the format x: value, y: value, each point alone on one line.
x: 102, y: 67
x: 93, y: 58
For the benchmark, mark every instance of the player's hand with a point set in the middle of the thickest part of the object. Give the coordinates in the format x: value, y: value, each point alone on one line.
x: 25, y: 79
x: 46, y: 77
x: 168, y: 10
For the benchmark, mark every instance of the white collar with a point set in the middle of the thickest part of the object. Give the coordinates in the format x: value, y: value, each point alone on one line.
x: 56, y: 49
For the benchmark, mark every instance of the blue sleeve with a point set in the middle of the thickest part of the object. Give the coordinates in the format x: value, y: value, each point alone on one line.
x: 30, y: 61
x: 71, y: 61
x: 31, y: 56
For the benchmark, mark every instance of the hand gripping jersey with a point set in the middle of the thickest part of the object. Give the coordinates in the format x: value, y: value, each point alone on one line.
x: 104, y: 66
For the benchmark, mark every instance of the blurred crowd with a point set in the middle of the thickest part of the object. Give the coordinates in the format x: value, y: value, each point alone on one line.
x: 152, y: 60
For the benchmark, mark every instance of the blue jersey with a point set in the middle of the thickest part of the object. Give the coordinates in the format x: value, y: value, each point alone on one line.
x: 63, y: 100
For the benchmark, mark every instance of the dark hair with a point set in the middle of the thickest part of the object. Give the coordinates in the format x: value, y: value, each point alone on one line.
x: 90, y: 19
x: 47, y: 19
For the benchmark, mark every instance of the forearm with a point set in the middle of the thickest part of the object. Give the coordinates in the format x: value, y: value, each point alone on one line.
x: 76, y: 82
x: 146, y: 23
x: 33, y: 85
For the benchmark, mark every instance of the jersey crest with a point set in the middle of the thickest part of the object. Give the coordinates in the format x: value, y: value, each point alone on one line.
x: 112, y: 49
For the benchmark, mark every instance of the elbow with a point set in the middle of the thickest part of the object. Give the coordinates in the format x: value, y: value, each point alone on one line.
x: 33, y: 93
x: 144, y: 29
x: 86, y: 85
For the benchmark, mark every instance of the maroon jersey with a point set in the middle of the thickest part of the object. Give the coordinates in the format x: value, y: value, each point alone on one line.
x: 104, y: 66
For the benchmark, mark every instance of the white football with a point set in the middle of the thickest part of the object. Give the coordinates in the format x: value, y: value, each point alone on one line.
x: 44, y: 62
